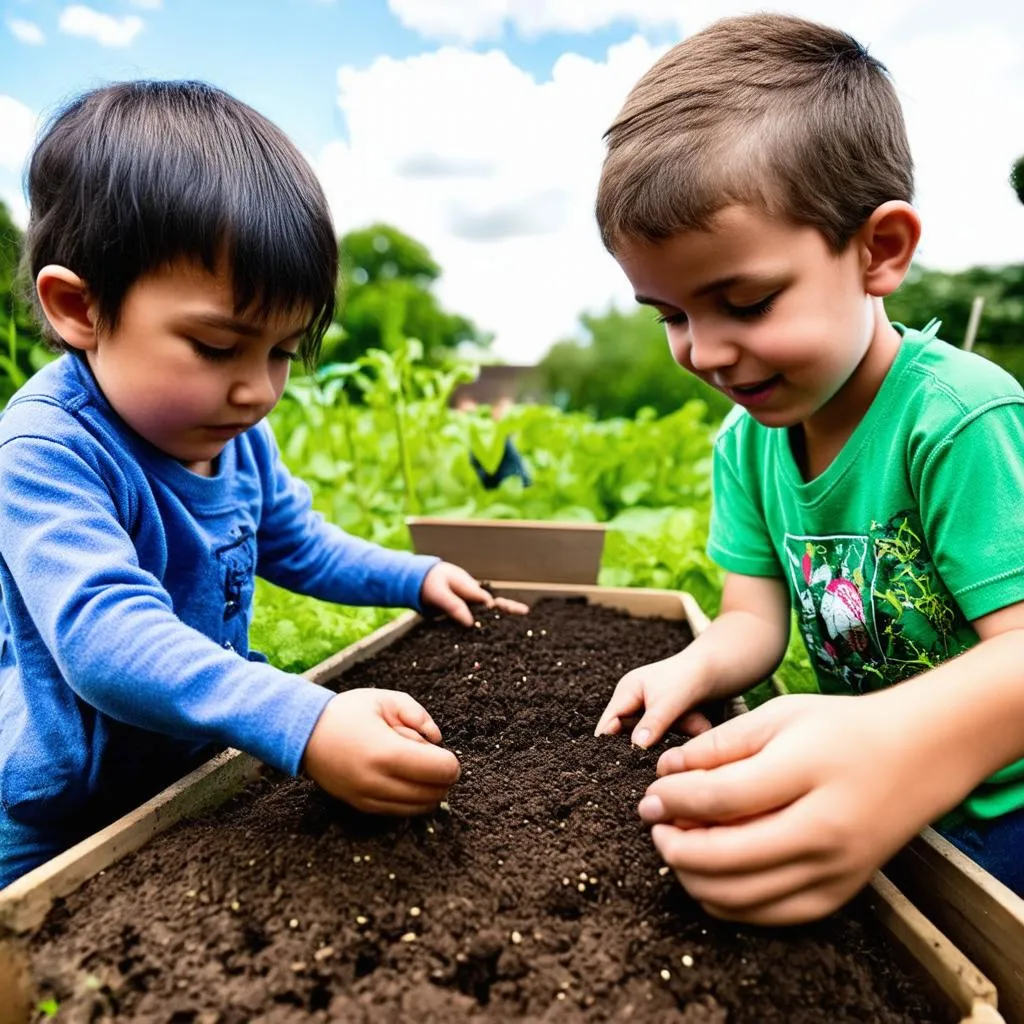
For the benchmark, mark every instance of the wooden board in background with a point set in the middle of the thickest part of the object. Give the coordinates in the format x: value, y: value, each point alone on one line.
x: 513, y: 549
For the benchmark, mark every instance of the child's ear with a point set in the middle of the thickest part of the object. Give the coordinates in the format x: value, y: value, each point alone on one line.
x: 65, y: 299
x: 889, y: 239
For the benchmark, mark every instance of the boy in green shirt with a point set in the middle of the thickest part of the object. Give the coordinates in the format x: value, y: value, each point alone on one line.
x: 756, y: 193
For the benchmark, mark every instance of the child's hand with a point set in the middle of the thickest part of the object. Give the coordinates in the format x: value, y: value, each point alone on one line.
x: 448, y: 588
x: 781, y: 815
x: 375, y: 750
x: 664, y: 691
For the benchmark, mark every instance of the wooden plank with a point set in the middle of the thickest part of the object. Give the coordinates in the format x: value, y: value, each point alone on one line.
x: 16, y: 988
x: 980, y: 914
x: 959, y: 980
x: 637, y: 601
x: 513, y: 549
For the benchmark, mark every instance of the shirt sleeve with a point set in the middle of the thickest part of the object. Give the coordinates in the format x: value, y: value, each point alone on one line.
x: 300, y: 551
x: 110, y: 627
x: 971, y: 496
x: 738, y: 539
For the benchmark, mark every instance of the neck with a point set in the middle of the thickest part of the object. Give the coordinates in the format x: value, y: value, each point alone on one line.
x: 830, y: 427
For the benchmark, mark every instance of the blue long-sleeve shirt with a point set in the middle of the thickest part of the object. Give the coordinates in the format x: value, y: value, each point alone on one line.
x: 127, y: 586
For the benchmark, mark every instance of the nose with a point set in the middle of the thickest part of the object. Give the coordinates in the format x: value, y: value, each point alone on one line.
x: 703, y: 348
x: 254, y: 386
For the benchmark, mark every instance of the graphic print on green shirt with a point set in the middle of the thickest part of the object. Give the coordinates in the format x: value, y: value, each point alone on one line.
x: 872, y: 610
x: 910, y: 534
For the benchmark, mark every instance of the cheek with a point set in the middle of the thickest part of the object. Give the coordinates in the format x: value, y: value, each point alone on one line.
x: 679, y: 347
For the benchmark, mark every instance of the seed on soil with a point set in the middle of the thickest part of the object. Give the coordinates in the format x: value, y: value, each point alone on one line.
x: 360, y: 920
x: 293, y: 923
x: 582, y: 886
x: 686, y: 960
x: 414, y: 911
x: 391, y: 876
x: 665, y: 975
x: 529, y: 632
x: 565, y: 881
x: 298, y: 967
x: 409, y: 937
x: 559, y: 995
x: 323, y: 953
x: 663, y: 871
x: 583, y: 876
x: 516, y: 938
x: 592, y: 880
x: 236, y: 906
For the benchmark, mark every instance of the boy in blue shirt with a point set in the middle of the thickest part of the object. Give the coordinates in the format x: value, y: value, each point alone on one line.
x: 756, y: 192
x: 183, y: 255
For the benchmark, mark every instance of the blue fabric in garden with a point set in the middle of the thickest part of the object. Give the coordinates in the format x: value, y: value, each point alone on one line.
x: 127, y: 585
x: 997, y: 844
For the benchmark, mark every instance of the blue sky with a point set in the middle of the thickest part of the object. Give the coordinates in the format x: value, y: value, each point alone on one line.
x: 475, y: 125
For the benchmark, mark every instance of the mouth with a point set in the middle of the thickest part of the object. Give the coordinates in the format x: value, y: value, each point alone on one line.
x: 228, y: 429
x: 754, y: 392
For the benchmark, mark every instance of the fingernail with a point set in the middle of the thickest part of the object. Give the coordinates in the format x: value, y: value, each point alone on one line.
x: 651, y: 808
x: 641, y: 737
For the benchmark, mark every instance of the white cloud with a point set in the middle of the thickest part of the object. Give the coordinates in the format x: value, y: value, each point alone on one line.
x: 487, y: 19
x: 26, y: 31
x: 17, y: 133
x: 149, y: 5
x: 495, y: 172
x: 79, y: 20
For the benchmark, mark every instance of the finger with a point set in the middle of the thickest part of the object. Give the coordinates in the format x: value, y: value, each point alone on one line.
x: 810, y: 905
x: 397, y: 809
x: 407, y: 792
x: 626, y: 700
x: 741, y: 893
x: 402, y: 710
x: 454, y: 607
x: 742, y: 789
x: 755, y: 845
x: 694, y: 723
x: 731, y: 741
x: 510, y: 607
x: 423, y: 763
x: 657, y: 719
x: 410, y: 734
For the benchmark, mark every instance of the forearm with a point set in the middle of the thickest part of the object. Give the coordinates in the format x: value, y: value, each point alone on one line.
x: 962, y: 721
x: 737, y: 650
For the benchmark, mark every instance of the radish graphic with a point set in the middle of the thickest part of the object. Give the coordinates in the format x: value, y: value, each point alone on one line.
x: 842, y: 608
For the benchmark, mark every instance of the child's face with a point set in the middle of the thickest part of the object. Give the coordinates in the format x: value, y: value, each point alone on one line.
x: 187, y: 373
x: 760, y: 309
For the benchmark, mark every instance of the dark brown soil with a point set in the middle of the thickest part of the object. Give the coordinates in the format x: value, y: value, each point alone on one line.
x: 536, y: 896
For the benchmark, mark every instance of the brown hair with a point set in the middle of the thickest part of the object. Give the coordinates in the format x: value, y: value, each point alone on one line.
x: 767, y: 109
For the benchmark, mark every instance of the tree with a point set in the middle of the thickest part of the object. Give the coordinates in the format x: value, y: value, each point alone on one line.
x: 1017, y: 177
x: 385, y: 296
x: 624, y: 366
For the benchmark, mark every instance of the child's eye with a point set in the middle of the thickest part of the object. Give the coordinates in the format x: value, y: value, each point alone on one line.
x: 753, y: 311
x: 674, y: 319
x: 215, y: 355
x: 283, y: 354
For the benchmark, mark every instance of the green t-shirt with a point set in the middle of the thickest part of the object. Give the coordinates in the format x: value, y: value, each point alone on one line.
x: 914, y: 530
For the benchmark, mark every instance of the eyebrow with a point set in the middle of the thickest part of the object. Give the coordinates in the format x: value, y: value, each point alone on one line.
x: 718, y: 285
x: 222, y: 322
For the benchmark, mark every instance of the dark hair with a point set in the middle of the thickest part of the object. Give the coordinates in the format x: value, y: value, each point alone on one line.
x: 765, y: 109
x: 134, y: 177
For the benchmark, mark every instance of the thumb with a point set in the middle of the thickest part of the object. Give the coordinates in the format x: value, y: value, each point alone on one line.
x: 401, y: 710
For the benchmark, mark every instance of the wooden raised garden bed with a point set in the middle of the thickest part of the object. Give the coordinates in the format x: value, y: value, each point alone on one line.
x: 535, y: 894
